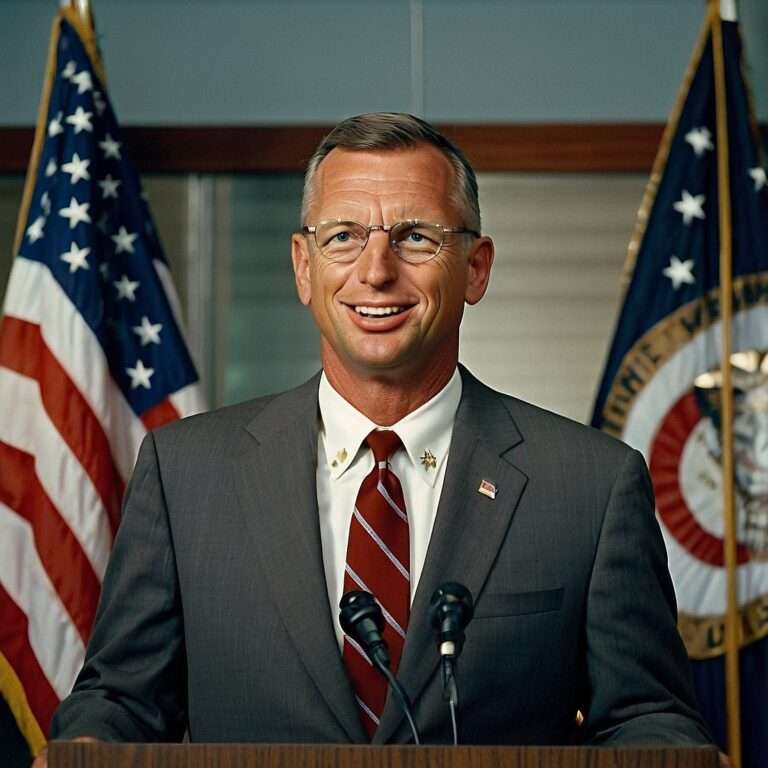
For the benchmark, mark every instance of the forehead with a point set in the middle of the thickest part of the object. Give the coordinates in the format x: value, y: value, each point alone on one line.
x: 412, y: 182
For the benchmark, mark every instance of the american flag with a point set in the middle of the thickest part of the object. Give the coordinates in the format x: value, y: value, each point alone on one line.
x: 91, y: 357
x: 661, y: 393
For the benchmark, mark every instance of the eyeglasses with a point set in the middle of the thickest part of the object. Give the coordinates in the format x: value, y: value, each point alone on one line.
x: 413, y: 241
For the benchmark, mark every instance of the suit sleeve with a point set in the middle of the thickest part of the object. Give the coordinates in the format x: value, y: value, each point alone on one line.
x: 640, y: 688
x: 133, y: 684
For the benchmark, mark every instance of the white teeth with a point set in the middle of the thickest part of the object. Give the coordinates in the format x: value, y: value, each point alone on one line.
x: 378, y: 311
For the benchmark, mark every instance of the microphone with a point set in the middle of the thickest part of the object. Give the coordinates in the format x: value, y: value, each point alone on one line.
x: 451, y: 609
x: 362, y: 620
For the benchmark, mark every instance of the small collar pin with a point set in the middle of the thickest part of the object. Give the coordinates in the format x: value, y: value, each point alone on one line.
x: 340, y: 458
x: 428, y: 460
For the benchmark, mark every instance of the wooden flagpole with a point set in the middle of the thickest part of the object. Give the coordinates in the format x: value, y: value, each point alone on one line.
x: 732, y: 620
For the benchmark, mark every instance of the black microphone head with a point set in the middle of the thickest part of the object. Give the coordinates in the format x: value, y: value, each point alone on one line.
x: 451, y: 598
x: 357, y: 605
x: 361, y: 618
x: 451, y: 609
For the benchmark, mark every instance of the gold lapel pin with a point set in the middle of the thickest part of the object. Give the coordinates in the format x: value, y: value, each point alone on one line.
x: 428, y: 460
x: 487, y: 488
x: 340, y: 458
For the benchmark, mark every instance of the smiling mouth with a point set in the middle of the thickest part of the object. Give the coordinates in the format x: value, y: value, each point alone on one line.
x: 365, y: 311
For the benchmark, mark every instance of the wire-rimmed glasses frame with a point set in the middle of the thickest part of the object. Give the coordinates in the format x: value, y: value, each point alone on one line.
x: 342, y: 241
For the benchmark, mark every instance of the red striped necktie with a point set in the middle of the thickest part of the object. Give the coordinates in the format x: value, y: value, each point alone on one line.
x: 378, y: 558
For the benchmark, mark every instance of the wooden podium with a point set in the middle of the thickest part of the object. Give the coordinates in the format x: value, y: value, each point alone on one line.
x: 67, y: 754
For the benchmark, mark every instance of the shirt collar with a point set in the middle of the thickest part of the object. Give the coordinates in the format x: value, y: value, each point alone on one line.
x: 425, y: 432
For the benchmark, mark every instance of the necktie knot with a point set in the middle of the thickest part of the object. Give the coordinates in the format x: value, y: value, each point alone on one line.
x: 383, y: 443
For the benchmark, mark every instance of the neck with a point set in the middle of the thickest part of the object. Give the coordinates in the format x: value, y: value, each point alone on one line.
x: 386, y: 398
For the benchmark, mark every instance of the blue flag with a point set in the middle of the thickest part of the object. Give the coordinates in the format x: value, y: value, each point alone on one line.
x: 660, y: 390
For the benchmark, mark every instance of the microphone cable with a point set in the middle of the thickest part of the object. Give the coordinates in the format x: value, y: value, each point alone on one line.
x: 361, y: 618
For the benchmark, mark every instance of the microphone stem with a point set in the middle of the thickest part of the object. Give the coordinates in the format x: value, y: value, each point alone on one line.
x: 454, y: 725
x: 451, y: 693
x: 402, y: 696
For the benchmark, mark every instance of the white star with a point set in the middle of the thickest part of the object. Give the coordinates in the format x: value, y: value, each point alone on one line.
x: 140, y: 375
x: 103, y: 223
x: 126, y: 289
x: 758, y: 176
x: 76, y: 257
x: 76, y: 212
x: 679, y: 272
x: 69, y: 70
x: 690, y: 206
x: 51, y: 168
x: 111, y: 147
x: 109, y: 187
x: 83, y: 81
x: 45, y: 203
x: 123, y: 240
x: 700, y: 139
x: 104, y: 269
x: 77, y: 168
x: 35, y: 229
x: 81, y: 120
x: 148, y: 332
x: 54, y: 127
x: 98, y: 102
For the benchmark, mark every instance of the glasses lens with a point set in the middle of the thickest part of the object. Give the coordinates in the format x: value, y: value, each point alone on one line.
x: 340, y: 240
x: 417, y: 242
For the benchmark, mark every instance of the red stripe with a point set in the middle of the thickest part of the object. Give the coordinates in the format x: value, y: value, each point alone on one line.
x: 163, y: 413
x: 23, y: 350
x: 14, y: 644
x: 60, y: 552
x: 665, y: 466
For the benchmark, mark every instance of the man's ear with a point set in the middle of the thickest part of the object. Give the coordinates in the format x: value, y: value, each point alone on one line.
x: 479, y: 263
x: 301, y: 273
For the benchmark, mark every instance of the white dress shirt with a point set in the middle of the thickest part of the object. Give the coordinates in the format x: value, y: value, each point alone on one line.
x: 344, y: 460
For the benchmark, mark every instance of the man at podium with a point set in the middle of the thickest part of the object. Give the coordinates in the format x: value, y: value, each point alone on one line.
x: 392, y: 471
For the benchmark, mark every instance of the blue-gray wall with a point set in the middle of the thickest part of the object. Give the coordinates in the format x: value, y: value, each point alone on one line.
x: 293, y: 61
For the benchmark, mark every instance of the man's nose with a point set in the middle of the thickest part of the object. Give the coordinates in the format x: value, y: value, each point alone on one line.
x: 378, y: 263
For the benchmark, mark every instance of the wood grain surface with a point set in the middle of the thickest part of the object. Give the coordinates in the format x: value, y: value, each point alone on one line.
x: 72, y: 755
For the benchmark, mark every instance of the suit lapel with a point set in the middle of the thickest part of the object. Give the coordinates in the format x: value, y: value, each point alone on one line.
x: 468, y: 523
x: 278, y: 496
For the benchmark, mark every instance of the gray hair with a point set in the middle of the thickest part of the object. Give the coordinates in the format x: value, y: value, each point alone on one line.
x: 396, y: 130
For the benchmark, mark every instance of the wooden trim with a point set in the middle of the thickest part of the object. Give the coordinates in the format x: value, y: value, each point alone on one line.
x: 551, y: 147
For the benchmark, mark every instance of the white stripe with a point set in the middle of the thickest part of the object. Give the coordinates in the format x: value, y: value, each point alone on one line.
x: 388, y: 617
x: 383, y: 491
x: 52, y: 636
x: 356, y: 646
x: 382, y: 546
x: 35, y: 296
x: 368, y: 711
x: 188, y: 400
x: 353, y: 575
x: 60, y: 473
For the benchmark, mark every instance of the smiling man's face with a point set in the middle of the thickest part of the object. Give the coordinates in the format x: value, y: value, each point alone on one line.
x: 379, y: 316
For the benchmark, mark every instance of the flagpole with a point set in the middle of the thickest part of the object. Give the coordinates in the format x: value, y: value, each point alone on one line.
x: 83, y: 7
x: 80, y: 14
x: 732, y: 623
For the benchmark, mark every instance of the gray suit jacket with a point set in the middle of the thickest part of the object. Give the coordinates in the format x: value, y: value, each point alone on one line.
x: 214, y: 612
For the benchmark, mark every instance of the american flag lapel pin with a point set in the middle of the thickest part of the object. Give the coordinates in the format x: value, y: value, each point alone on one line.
x: 487, y: 488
